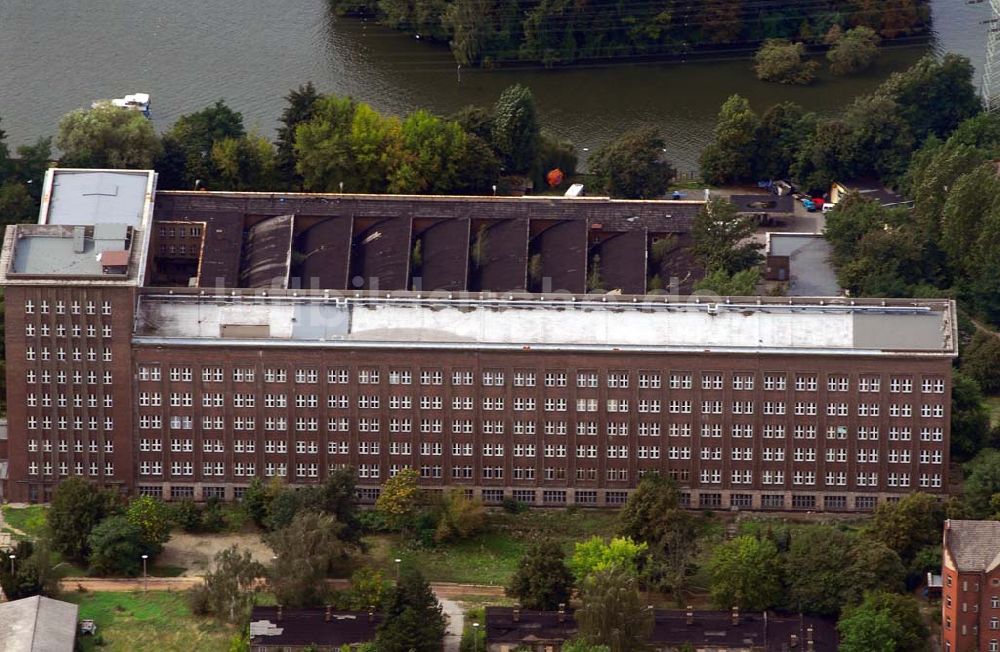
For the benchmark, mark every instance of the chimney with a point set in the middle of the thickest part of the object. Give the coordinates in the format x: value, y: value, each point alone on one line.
x: 689, y: 615
x: 736, y: 616
x: 794, y: 641
x: 516, y: 616
x: 562, y: 612
x: 810, y: 646
x: 279, y: 613
x: 329, y: 613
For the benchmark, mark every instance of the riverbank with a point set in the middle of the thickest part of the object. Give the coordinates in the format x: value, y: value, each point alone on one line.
x: 189, y: 54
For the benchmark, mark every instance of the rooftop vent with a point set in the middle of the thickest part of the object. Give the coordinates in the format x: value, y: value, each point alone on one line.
x: 78, y: 239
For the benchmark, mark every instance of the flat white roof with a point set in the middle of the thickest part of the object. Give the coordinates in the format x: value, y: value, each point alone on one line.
x: 107, y: 203
x: 78, y: 197
x: 578, y: 325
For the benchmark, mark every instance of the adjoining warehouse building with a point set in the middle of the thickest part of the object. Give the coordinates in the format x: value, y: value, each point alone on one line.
x: 230, y: 341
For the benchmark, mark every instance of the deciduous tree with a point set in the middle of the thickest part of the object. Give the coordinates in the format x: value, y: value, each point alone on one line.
x: 982, y: 482
x: 784, y: 62
x: 33, y: 573
x: 189, y: 143
x: 981, y: 361
x: 400, y: 498
x: 460, y: 517
x: 304, y: 551
x: 542, y: 579
x: 935, y: 95
x: 154, y: 520
x: 653, y: 516
x: 778, y: 139
x: 884, y: 621
x: 970, y: 421
x: 116, y: 547
x: 746, y: 573
x: 741, y: 284
x: 908, y: 525
x: 107, y: 137
x: 634, y: 165
x: 854, y: 52
x: 729, y: 158
x: 244, y: 163
x: 231, y: 586
x: 596, y: 554
x: 611, y: 612
x: 77, y: 508
x: 723, y: 238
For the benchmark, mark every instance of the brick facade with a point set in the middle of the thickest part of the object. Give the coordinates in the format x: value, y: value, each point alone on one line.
x: 970, y: 594
x: 751, y: 431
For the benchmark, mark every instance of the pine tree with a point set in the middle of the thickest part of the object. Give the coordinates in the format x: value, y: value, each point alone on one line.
x: 413, y: 620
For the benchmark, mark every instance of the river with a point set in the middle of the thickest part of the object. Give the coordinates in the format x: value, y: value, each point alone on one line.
x: 59, y: 55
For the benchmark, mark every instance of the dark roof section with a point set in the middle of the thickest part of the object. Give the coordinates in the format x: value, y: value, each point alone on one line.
x: 501, y: 626
x: 620, y: 263
x: 974, y: 546
x: 562, y: 247
x: 380, y: 254
x: 872, y: 189
x: 300, y: 627
x: 266, y: 252
x: 338, y: 238
x: 499, y: 255
x: 713, y: 629
x: 444, y: 253
x: 321, y: 254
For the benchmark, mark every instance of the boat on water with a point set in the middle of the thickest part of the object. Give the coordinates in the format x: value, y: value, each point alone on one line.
x: 134, y: 102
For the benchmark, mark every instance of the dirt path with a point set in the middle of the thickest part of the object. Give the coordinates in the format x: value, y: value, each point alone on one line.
x: 983, y: 328
x: 443, y: 590
x: 6, y: 541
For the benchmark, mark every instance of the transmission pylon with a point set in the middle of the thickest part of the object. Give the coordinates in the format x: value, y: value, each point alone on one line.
x: 991, y: 72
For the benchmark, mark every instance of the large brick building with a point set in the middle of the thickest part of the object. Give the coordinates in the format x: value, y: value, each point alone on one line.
x: 970, y: 593
x: 186, y: 352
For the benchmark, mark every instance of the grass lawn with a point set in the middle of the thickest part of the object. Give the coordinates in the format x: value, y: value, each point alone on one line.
x: 492, y: 557
x: 30, y: 520
x: 156, y: 620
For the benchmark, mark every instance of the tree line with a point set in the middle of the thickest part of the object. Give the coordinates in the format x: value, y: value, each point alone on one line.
x: 328, y: 143
x: 875, y: 137
x: 556, y: 32
x: 859, y: 575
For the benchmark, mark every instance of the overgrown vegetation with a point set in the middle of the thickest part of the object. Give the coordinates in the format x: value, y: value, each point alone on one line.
x: 491, y: 32
x: 148, y: 621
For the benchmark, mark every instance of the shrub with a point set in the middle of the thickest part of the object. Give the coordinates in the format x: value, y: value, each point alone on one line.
x: 783, y: 62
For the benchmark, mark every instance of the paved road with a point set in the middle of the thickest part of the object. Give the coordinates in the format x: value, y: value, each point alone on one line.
x: 456, y: 624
